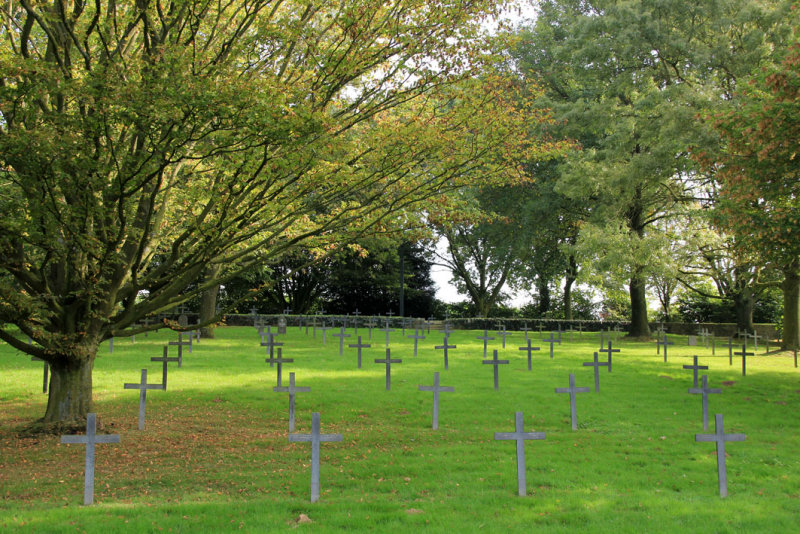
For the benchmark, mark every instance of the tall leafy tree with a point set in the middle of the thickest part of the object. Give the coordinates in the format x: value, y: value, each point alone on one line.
x: 627, y: 77
x: 760, y: 176
x: 146, y: 144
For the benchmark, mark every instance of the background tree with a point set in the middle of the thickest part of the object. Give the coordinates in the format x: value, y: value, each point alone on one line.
x: 627, y: 78
x: 760, y: 177
x: 146, y: 143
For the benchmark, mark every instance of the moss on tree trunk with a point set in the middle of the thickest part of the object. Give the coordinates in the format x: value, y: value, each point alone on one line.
x: 70, y: 394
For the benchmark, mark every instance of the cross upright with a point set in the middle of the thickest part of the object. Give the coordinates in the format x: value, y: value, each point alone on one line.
x: 485, y: 339
x: 270, y: 343
x: 572, y: 390
x: 552, y: 341
x: 388, y: 361
x: 359, y: 346
x: 704, y: 333
x: 445, y: 347
x: 495, y: 362
x: 89, y: 440
x: 504, y: 335
x: 143, y: 386
x: 436, y: 388
x: 519, y: 435
x: 694, y: 367
x: 324, y: 332
x: 744, y: 354
x: 446, y: 329
x: 529, y: 350
x: 180, y: 344
x: 341, y: 335
x: 755, y: 337
x: 164, y: 360
x: 371, y: 324
x: 387, y: 330
x: 597, y: 364
x: 704, y: 391
x: 315, y: 438
x: 720, y: 437
x: 525, y: 329
x: 610, y: 351
x: 416, y: 337
x: 355, y: 321
x: 280, y: 360
x: 730, y: 350
x: 291, y: 389
x: 665, y: 343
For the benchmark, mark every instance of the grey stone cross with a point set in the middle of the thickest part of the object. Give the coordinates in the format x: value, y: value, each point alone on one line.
x: 572, y: 390
x: 143, y: 386
x: 180, y: 344
x: 360, y: 346
x: 495, y: 362
x: 341, y: 335
x: 502, y: 333
x: 270, y: 343
x: 445, y: 347
x: 730, y: 350
x: 744, y: 354
x: 519, y: 435
x: 665, y: 343
x: 416, y: 337
x: 436, y: 388
x: 525, y: 329
x: 704, y: 391
x: 720, y: 437
x: 89, y: 440
x: 355, y: 321
x: 280, y: 360
x: 315, y: 438
x: 388, y: 361
x: 485, y: 339
x: 164, y: 359
x: 552, y: 341
x: 597, y: 364
x: 694, y: 367
x: 111, y: 345
x: 704, y: 333
x: 324, y: 332
x: 610, y: 351
x: 291, y: 389
x: 371, y: 324
x: 529, y: 350
x: 387, y: 330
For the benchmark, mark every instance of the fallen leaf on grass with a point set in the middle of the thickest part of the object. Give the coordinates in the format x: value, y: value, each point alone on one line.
x: 414, y: 511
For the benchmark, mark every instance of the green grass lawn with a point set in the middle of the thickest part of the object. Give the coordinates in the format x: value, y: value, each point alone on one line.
x: 215, y: 454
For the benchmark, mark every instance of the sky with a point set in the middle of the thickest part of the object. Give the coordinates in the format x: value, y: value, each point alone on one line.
x: 445, y: 291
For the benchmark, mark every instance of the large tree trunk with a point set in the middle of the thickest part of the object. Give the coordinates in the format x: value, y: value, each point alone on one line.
x: 639, y: 326
x: 791, y: 307
x: 571, y: 275
x: 743, y: 306
x: 543, y: 288
x: 208, y: 303
x: 70, y: 397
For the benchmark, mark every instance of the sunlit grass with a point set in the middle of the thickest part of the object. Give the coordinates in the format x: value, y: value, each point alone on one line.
x: 215, y: 454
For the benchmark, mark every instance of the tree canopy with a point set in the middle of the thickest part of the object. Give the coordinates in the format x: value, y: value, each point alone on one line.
x: 145, y: 144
